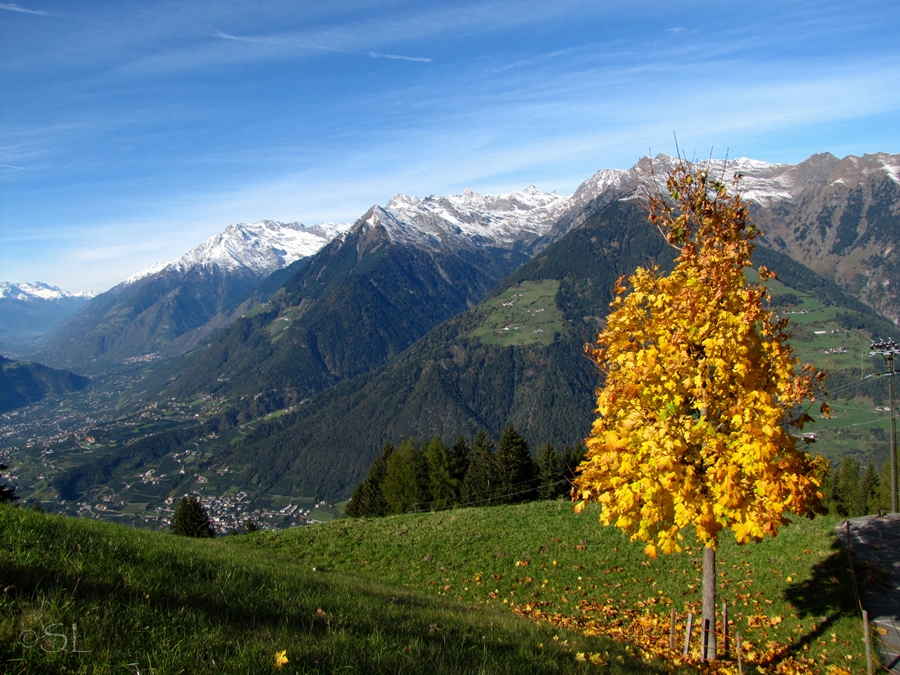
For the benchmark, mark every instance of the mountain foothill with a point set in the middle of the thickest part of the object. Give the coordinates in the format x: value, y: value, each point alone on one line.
x: 447, y: 316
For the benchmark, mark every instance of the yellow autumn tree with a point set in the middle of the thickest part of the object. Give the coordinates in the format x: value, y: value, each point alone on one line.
x: 698, y: 415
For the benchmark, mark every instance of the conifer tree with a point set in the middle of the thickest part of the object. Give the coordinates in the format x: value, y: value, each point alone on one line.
x: 883, y: 491
x: 701, y: 391
x: 459, y: 459
x: 515, y: 468
x: 405, y: 478
x: 443, y: 487
x: 481, y: 481
x: 845, y: 489
x: 869, y: 489
x: 191, y: 520
x: 368, y: 497
x: 551, y: 471
x: 7, y: 493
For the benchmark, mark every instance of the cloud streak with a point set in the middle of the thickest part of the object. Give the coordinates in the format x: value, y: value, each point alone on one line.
x: 249, y: 38
x: 158, y: 128
x: 18, y: 8
x: 398, y: 57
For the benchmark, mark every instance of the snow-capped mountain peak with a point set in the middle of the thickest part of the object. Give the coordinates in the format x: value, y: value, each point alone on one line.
x: 36, y: 291
x: 470, y: 218
x: 259, y: 248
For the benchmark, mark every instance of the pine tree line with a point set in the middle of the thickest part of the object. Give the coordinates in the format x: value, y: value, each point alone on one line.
x: 853, y: 492
x: 431, y: 476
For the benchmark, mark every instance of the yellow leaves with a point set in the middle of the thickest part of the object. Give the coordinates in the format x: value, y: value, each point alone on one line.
x: 700, y: 386
x: 761, y: 620
x: 579, y: 507
x: 650, y: 550
x: 594, y: 658
x: 281, y: 658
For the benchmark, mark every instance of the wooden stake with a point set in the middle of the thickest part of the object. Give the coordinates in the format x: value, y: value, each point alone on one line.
x: 687, y: 633
x: 725, y: 628
x: 868, y: 648
x: 740, y: 665
x: 672, y: 630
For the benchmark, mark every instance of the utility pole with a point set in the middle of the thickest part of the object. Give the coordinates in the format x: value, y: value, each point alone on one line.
x: 888, y: 349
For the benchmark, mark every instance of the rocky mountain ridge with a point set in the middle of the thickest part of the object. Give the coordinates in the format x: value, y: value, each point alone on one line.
x: 259, y: 248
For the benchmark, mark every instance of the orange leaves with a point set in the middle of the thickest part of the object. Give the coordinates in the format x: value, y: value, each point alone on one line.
x: 761, y: 621
x: 645, y: 634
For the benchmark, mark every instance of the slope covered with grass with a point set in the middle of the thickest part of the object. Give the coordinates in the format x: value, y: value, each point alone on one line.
x: 790, y: 597
x: 83, y: 596
x: 529, y: 588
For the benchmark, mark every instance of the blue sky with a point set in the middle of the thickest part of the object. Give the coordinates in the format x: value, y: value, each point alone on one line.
x: 132, y: 131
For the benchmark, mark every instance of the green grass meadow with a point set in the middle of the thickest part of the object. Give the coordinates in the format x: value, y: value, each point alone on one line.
x: 419, y: 593
x: 521, y: 315
x: 91, y: 597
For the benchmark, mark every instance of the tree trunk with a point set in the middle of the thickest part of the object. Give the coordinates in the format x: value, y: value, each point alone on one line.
x: 708, y: 623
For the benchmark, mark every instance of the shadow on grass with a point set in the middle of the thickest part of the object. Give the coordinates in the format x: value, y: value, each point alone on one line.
x: 827, y: 595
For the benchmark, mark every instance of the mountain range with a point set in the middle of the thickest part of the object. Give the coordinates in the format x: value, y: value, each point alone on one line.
x: 514, y: 359
x: 838, y: 216
x: 445, y: 315
x: 31, y: 310
x: 166, y: 309
x: 402, y: 269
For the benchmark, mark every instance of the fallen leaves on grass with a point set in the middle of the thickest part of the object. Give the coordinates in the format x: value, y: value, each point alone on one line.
x: 651, y: 631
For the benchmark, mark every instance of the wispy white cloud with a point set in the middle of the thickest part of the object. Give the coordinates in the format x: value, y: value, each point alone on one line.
x: 18, y: 8
x: 398, y: 57
x: 249, y: 38
x: 258, y: 122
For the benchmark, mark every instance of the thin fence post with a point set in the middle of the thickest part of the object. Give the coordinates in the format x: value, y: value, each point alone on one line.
x: 687, y: 633
x: 672, y: 630
x: 725, y: 629
x: 740, y: 665
x: 868, y: 647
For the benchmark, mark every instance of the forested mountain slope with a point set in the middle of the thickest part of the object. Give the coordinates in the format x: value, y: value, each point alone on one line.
x: 516, y: 358
x: 361, y: 300
x: 24, y: 382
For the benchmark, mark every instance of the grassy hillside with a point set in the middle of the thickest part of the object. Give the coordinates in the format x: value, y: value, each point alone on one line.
x: 89, y: 597
x: 519, y: 589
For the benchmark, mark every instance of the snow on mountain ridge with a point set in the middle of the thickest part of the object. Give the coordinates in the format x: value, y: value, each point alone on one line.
x: 499, y: 220
x: 28, y: 292
x: 503, y: 220
x: 260, y: 248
